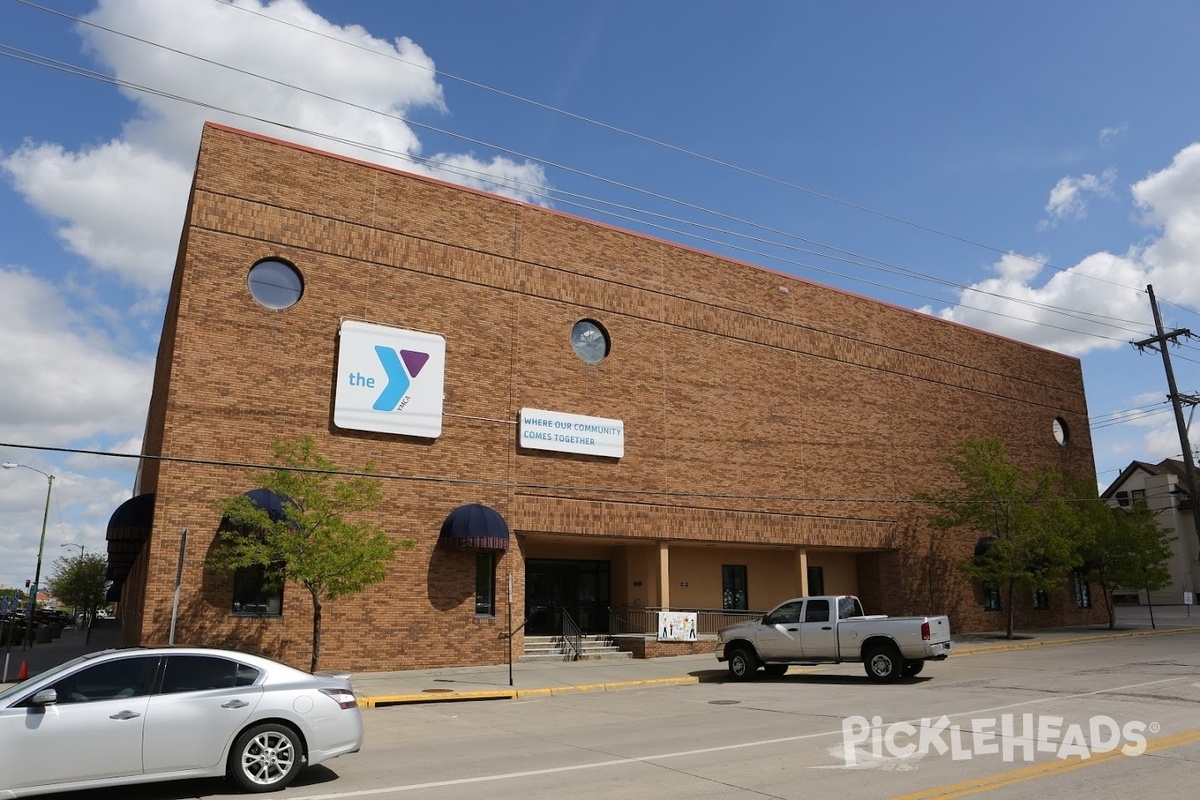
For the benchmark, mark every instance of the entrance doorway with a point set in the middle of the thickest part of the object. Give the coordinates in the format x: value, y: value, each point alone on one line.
x: 554, y: 585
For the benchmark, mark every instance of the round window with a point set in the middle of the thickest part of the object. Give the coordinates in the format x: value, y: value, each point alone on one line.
x: 1059, y: 426
x: 589, y: 340
x: 275, y: 284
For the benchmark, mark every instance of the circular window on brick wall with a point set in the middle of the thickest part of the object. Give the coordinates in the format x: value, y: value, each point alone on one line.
x: 1059, y: 427
x: 275, y: 283
x: 590, y: 341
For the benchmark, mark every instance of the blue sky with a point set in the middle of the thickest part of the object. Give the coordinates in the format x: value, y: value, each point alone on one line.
x: 1025, y: 168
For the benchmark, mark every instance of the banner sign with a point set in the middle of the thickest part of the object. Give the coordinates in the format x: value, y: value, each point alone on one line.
x: 677, y: 626
x: 571, y: 433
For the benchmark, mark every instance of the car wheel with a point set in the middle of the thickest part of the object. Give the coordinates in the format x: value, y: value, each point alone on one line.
x: 775, y: 670
x: 265, y: 757
x: 742, y: 663
x: 883, y: 664
x: 912, y: 668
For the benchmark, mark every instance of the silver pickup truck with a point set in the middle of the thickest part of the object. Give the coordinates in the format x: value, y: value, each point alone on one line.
x: 832, y: 630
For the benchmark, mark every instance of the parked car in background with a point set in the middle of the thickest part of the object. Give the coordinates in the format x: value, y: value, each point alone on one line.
x: 831, y: 630
x: 138, y: 715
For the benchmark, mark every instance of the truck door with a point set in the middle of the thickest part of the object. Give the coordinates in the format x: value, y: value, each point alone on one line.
x: 818, y: 631
x: 778, y: 636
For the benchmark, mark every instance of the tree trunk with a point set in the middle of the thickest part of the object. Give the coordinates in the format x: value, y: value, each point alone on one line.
x: 1110, y: 608
x: 1010, y: 611
x: 316, y: 631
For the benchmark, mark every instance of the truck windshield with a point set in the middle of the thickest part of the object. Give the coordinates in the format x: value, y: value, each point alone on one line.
x: 849, y: 607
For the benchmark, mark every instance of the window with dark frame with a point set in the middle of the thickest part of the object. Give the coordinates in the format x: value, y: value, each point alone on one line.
x: 256, y: 595
x: 485, y: 583
x: 816, y: 581
x: 1083, y: 592
x: 1041, y: 599
x: 991, y: 598
x: 734, y: 592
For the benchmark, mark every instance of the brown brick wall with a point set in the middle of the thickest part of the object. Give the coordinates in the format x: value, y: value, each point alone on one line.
x: 754, y: 416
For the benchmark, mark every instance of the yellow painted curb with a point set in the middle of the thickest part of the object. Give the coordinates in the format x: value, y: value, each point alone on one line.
x: 374, y: 701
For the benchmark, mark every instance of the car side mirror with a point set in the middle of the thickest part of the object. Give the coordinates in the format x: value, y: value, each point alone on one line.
x: 46, y: 697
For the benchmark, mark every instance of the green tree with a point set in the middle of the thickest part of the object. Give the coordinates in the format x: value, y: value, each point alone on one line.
x: 1026, y: 517
x: 1124, y: 548
x: 81, y: 581
x: 316, y: 542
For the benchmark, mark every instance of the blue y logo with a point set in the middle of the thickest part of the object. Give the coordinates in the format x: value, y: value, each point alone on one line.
x: 400, y: 369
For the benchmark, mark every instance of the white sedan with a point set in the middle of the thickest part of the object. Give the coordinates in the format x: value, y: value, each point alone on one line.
x: 154, y: 714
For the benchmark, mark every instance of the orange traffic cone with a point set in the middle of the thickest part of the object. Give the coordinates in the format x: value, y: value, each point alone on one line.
x: 23, y: 672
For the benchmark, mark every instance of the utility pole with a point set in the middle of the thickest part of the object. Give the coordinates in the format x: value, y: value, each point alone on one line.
x: 1159, y: 343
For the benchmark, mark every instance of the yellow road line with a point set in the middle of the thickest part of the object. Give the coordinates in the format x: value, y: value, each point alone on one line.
x: 1049, y: 769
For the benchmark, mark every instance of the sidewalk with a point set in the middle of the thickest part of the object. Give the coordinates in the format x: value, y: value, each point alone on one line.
x: 539, y: 679
x: 71, y: 643
x: 543, y: 678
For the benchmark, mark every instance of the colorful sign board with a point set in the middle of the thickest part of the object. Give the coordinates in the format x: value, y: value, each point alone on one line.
x: 677, y: 626
x: 571, y: 433
x: 389, y: 380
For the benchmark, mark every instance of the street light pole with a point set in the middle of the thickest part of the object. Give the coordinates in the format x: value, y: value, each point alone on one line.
x: 37, y: 575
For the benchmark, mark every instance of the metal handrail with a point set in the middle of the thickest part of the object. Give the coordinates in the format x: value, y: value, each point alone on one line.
x: 644, y: 620
x: 572, y: 635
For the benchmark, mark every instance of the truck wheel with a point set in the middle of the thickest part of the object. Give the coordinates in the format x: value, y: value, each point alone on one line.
x: 775, y: 670
x: 742, y: 664
x: 883, y: 663
x: 912, y: 668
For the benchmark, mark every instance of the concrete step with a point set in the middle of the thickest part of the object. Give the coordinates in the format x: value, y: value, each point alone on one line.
x: 552, y: 648
x: 588, y: 655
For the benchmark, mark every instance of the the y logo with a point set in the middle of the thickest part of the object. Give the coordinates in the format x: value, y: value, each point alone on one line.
x: 378, y: 388
x: 400, y: 372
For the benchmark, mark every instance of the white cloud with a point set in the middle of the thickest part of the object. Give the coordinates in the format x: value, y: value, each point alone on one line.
x: 1114, y: 134
x: 1103, y: 290
x: 1070, y: 196
x: 1170, y: 201
x: 120, y: 207
x: 64, y: 379
x: 1075, y: 311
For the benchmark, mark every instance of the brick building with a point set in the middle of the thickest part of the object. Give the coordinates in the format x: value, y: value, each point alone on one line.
x: 658, y: 428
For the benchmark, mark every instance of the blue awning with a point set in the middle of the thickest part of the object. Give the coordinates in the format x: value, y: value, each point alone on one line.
x: 984, y: 545
x: 269, y: 502
x: 266, y: 500
x: 474, y: 527
x: 128, y: 529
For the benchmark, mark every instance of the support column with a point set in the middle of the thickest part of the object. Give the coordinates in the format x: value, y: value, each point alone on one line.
x: 664, y: 576
x: 802, y: 571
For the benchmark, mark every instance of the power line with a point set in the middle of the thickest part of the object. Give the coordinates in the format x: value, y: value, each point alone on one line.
x: 664, y: 144
x: 1096, y: 318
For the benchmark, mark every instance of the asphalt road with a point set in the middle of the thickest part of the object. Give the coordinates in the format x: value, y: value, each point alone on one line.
x: 1132, y: 706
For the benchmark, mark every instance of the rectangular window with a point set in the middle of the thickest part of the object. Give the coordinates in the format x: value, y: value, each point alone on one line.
x: 1123, y: 498
x: 734, y: 594
x: 991, y: 598
x: 254, y: 594
x: 816, y: 611
x: 485, y: 583
x: 816, y: 581
x: 1138, y: 495
x: 1041, y: 600
x: 1083, y: 593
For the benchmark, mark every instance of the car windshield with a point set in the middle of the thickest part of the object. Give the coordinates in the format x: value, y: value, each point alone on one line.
x: 8, y: 694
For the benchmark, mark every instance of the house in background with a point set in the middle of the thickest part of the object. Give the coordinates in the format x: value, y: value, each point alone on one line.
x: 1162, y: 487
